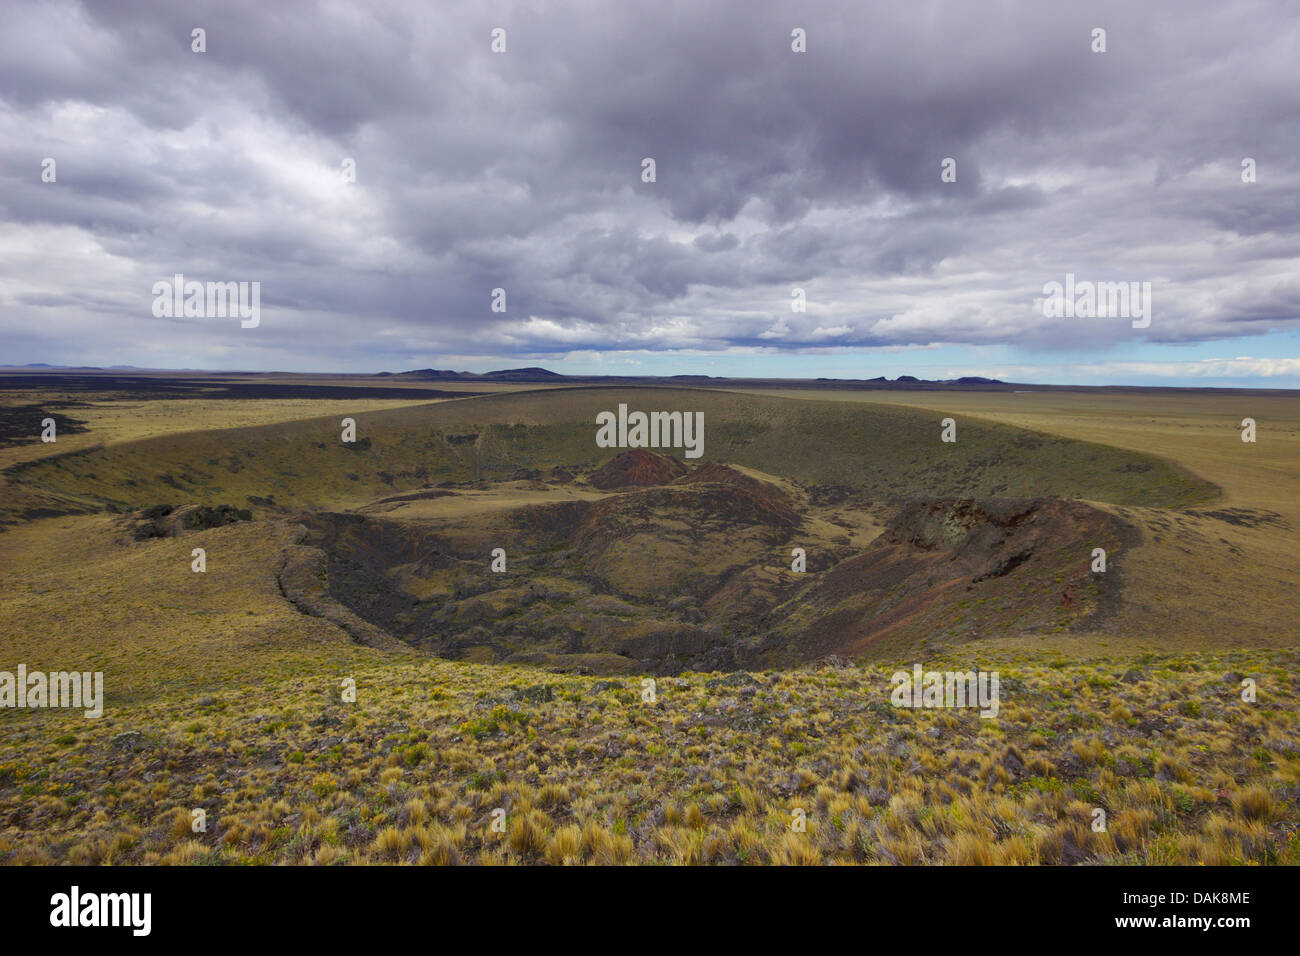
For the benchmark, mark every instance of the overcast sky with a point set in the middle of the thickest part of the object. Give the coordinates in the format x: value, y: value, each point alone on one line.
x: 774, y: 170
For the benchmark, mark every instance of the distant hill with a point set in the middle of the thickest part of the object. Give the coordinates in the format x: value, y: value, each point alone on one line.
x: 535, y: 374
x: 532, y: 374
x: 426, y: 374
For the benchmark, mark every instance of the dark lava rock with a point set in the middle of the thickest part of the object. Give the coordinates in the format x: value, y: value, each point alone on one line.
x: 130, y: 742
x: 1014, y: 764
x: 537, y: 694
x: 738, y: 679
x: 1071, y: 767
x: 877, y: 797
x: 204, y: 517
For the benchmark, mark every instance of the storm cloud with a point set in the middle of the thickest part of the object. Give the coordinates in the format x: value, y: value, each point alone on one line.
x: 521, y: 170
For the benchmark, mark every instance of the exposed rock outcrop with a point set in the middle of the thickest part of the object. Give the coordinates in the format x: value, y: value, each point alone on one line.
x: 636, y: 466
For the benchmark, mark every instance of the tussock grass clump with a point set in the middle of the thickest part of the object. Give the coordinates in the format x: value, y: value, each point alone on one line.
x: 600, y: 783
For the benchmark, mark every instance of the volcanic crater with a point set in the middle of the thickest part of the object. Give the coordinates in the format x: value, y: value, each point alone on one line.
x: 646, y: 564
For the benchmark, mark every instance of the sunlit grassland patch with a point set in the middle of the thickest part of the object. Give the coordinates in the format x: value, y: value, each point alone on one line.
x: 583, y: 770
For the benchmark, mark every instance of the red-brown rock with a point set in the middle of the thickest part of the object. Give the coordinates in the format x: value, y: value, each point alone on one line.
x: 636, y: 466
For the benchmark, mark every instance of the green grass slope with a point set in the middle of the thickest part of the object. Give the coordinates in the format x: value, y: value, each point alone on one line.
x: 887, y: 450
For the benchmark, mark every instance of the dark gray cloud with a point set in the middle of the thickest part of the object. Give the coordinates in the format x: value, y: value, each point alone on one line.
x: 522, y: 171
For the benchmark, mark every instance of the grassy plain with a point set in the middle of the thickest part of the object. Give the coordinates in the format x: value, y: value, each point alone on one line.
x: 221, y: 696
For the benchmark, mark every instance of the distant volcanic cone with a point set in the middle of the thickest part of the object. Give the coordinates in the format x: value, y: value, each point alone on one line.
x: 636, y: 466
